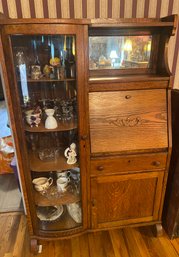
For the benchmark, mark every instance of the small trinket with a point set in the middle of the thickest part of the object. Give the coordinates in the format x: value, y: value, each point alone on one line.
x: 70, y: 154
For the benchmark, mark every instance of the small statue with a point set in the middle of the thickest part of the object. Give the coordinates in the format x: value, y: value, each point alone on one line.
x: 70, y: 154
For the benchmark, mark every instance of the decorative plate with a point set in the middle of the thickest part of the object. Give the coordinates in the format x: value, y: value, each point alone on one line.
x: 74, y: 209
x: 49, y: 213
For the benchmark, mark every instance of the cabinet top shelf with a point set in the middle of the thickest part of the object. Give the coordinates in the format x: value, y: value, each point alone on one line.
x: 47, y: 80
x: 165, y: 21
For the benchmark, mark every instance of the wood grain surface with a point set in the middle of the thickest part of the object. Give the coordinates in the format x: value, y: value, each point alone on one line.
x: 127, y: 242
x: 128, y: 164
x: 124, y: 199
x: 126, y: 121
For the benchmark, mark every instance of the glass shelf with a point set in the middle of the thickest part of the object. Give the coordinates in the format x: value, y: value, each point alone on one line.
x: 65, y: 222
x: 47, y: 80
x: 62, y: 126
x: 41, y: 166
x: 64, y: 198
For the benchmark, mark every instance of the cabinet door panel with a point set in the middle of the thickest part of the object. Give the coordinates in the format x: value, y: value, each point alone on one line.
x: 128, y: 120
x: 125, y: 199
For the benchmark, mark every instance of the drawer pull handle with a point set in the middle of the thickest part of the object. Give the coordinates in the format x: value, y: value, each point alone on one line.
x: 156, y: 163
x: 100, y: 168
x: 128, y: 96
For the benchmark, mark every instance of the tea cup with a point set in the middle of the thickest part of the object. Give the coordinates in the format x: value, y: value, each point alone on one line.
x: 62, y: 183
x: 42, y: 183
x: 63, y: 173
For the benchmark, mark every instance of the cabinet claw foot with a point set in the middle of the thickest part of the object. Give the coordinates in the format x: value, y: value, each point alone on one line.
x: 158, y: 230
x: 34, y: 247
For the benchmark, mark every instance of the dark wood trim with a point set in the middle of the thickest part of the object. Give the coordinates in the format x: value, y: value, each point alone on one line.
x: 45, y: 21
x: 171, y: 205
x: 45, y: 29
x: 83, y: 128
x: 124, y: 22
x: 96, y: 87
x: 174, y: 66
x: 86, y: 54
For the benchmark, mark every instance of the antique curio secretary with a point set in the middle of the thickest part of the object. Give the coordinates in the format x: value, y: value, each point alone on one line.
x: 89, y: 104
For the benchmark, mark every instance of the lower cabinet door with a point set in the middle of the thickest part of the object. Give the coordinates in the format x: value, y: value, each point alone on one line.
x: 125, y: 199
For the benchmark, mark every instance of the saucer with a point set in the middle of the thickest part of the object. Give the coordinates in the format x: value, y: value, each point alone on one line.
x: 49, y: 213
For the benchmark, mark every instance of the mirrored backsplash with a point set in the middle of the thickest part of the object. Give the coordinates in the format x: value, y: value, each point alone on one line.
x: 119, y: 52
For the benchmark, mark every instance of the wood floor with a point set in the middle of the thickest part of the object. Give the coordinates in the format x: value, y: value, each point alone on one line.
x: 10, y: 196
x: 128, y: 242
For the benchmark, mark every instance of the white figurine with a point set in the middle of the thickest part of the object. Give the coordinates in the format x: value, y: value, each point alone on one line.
x: 70, y: 154
x: 50, y: 122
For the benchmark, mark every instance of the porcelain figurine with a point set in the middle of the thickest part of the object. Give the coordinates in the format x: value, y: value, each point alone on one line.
x: 70, y: 154
x: 50, y: 122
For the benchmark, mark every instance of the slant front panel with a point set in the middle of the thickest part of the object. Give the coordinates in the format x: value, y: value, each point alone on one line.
x: 128, y: 120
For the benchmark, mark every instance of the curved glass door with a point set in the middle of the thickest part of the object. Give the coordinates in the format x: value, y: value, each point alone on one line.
x: 45, y: 68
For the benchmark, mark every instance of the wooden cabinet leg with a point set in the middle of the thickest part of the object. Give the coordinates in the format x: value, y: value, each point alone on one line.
x: 34, y: 247
x: 158, y: 230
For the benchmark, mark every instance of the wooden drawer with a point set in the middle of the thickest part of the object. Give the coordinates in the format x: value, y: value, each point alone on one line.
x: 128, y: 121
x: 127, y: 164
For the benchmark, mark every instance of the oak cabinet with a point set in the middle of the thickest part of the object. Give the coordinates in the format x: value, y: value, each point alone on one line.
x: 90, y: 113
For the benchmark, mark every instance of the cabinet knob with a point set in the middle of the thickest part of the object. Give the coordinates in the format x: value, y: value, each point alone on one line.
x: 156, y: 163
x: 100, y: 168
x: 84, y: 137
x: 128, y: 96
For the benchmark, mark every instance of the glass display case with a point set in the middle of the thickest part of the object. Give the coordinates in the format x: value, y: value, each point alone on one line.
x: 119, y: 52
x: 45, y: 67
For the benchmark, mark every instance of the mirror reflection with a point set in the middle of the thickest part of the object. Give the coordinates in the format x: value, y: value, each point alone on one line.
x: 119, y: 52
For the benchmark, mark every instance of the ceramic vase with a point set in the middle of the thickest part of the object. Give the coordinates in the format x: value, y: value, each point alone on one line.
x: 50, y: 122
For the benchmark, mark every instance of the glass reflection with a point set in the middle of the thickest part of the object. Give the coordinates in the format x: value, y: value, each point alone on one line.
x: 119, y: 52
